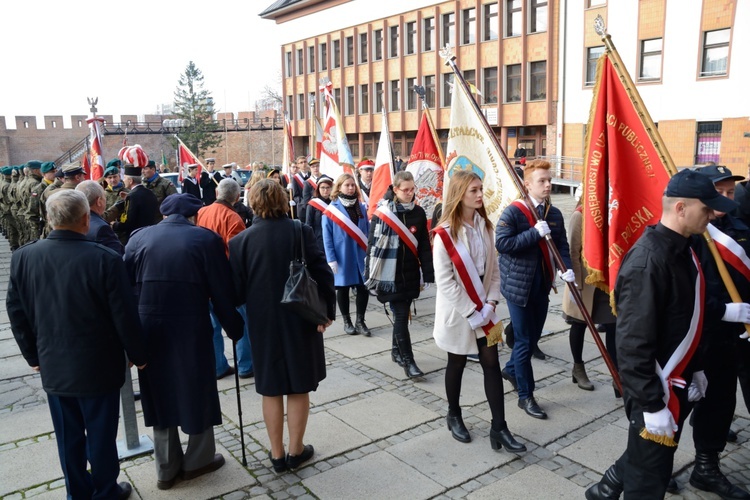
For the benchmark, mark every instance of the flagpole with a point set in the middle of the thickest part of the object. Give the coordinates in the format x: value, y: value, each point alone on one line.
x: 659, y: 145
x: 450, y: 60
x: 312, y: 128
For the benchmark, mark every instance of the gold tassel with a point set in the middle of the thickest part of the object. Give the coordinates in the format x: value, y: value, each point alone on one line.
x: 662, y: 440
x: 496, y: 334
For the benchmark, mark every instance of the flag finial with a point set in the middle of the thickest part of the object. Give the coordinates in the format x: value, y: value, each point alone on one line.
x: 447, y: 54
x: 599, y: 26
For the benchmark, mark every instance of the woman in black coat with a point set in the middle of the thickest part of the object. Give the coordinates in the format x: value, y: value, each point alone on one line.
x: 314, y: 216
x: 394, y: 269
x: 288, y: 353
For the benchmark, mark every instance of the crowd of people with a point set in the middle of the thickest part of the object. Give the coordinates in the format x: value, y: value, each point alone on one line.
x: 156, y: 263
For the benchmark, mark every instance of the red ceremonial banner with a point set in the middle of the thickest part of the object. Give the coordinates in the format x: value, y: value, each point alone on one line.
x: 623, y: 178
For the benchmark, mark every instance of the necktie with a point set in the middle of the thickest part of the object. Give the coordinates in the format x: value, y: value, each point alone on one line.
x: 540, y: 211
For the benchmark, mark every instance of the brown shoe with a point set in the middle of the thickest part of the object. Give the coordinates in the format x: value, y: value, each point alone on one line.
x: 215, y: 464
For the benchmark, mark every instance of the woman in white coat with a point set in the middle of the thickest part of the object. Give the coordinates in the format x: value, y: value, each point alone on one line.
x: 468, y: 289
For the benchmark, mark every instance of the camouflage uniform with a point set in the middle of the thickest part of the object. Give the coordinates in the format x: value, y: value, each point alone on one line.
x: 161, y: 187
x: 43, y: 204
x: 9, y: 197
x: 34, y: 215
x: 113, y: 196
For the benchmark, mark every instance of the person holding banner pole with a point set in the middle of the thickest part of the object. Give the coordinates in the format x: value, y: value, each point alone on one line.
x: 316, y: 207
x: 345, y: 229
x: 398, y: 252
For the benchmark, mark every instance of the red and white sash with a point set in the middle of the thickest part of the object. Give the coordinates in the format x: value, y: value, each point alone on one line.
x: 312, y: 182
x: 671, y: 373
x: 345, y: 223
x: 549, y: 264
x: 318, y: 204
x: 299, y: 180
x: 386, y: 215
x: 468, y: 273
x: 731, y: 251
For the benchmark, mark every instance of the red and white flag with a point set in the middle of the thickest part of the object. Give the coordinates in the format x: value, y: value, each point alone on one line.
x: 187, y: 158
x: 382, y: 177
x: 97, y: 159
x: 335, y: 155
x: 426, y: 165
x: 86, y: 165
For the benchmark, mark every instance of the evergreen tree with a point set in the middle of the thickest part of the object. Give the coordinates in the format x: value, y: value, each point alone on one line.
x: 195, y: 104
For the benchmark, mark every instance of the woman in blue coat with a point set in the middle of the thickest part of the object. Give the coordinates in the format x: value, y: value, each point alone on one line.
x: 345, y: 249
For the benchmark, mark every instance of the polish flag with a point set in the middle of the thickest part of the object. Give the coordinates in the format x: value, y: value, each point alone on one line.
x: 382, y: 178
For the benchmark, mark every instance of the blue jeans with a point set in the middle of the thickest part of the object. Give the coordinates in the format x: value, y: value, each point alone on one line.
x: 244, y: 355
x: 527, y: 322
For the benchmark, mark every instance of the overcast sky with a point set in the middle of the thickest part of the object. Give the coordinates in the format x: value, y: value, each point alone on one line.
x: 131, y: 53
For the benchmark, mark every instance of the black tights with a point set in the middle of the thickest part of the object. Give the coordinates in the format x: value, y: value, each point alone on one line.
x: 493, y: 382
x: 342, y: 297
x: 577, y: 335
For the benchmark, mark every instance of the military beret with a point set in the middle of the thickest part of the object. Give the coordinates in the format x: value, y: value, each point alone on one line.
x: 115, y: 162
x: 132, y: 170
x: 71, y: 170
x: 48, y: 166
x: 184, y: 204
x: 112, y: 170
x: 34, y: 164
x: 6, y: 170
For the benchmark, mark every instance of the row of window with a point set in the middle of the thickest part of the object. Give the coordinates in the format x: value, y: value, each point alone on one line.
x: 536, y: 91
x: 537, y: 22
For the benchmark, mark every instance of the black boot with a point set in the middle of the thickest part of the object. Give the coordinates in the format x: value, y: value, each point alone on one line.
x: 707, y: 476
x: 361, y: 327
x: 609, y: 488
x: 395, y: 354
x: 403, y: 340
x: 457, y: 427
x: 348, y: 327
x: 503, y: 438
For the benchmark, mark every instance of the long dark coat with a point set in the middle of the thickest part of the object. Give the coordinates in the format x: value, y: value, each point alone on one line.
x: 288, y: 355
x: 175, y: 267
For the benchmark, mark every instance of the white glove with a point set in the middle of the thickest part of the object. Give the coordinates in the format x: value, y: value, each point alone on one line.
x: 737, y: 313
x: 292, y: 203
x: 698, y: 386
x: 334, y: 266
x: 477, y: 320
x: 568, y: 275
x: 289, y: 186
x: 542, y: 228
x: 487, y: 311
x: 660, y: 423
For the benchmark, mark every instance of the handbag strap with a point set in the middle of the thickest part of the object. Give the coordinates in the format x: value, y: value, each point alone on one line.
x: 299, y: 249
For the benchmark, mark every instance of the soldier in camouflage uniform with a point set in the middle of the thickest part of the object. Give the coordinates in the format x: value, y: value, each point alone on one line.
x: 158, y: 185
x: 57, y: 184
x: 14, y: 235
x: 37, y: 212
x: 113, y: 192
x: 10, y: 231
x: 33, y: 188
x: 3, y: 182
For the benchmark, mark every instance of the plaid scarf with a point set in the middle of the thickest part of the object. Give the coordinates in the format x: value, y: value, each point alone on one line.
x: 384, y: 252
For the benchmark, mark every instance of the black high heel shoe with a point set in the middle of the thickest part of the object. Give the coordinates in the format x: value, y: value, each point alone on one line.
x: 498, y: 439
x: 457, y: 428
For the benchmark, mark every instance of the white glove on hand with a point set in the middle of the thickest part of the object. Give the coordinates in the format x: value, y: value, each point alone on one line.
x: 487, y: 311
x: 660, y: 423
x: 289, y: 186
x: 477, y: 320
x: 542, y: 228
x: 568, y: 275
x: 698, y: 386
x: 737, y: 313
x: 334, y: 267
x: 292, y: 203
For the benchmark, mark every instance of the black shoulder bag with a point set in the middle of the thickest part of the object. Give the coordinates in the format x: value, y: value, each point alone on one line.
x: 301, y: 294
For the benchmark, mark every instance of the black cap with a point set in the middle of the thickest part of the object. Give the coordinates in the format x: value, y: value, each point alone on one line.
x: 132, y: 171
x: 690, y: 184
x: 719, y: 173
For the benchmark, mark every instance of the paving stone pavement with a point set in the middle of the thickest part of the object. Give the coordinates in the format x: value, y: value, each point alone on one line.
x: 376, y: 433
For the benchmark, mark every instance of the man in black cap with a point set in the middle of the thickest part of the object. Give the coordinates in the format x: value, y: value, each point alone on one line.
x: 138, y: 209
x: 190, y: 185
x: 177, y: 267
x: 659, y: 297
x: 160, y: 186
x: 311, y: 184
x: 209, y: 181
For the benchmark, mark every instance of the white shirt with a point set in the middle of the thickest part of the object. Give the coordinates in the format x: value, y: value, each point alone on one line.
x: 475, y: 240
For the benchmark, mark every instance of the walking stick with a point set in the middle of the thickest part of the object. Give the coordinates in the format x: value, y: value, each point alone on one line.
x: 239, y: 403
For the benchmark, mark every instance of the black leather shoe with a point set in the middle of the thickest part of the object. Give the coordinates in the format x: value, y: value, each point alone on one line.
x: 361, y: 327
x: 672, y: 486
x: 457, y: 428
x: 136, y: 395
x: 510, y: 378
x: 230, y: 371
x: 166, y: 484
x: 505, y: 439
x: 731, y: 436
x: 125, y: 490
x: 530, y: 406
x: 294, y: 461
x: 707, y: 476
x: 411, y: 369
x: 215, y: 464
x: 278, y: 464
x: 538, y: 354
x: 249, y: 374
x: 348, y: 326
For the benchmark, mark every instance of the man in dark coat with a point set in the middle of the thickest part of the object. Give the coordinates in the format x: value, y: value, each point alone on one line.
x: 80, y: 349
x: 139, y: 208
x: 176, y: 267
x: 99, y: 230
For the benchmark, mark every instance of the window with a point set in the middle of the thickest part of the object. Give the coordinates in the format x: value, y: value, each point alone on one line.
x: 364, y: 99
x: 592, y: 56
x: 411, y: 95
x: 468, y: 26
x: 54, y: 124
x: 80, y: 122
x: 428, y: 34
x: 300, y: 106
x: 300, y: 62
x: 449, y: 29
x: 311, y: 103
x: 410, y: 40
x: 290, y: 107
x: 650, y: 63
x: 349, y: 51
x: 311, y: 59
x: 336, y: 63
x: 489, y: 22
x: 596, y: 3
x: 288, y: 64
x: 377, y: 45
x: 447, y: 89
x: 429, y: 88
x: 353, y: 145
x: 378, y: 97
x: 513, y: 83
x: 337, y: 97
x: 708, y: 145
x: 349, y: 107
x: 538, y: 16
x: 489, y: 85
x: 470, y: 75
x: 395, y: 95
x: 513, y: 17
x: 323, y: 57
x: 393, y: 45
x: 715, y: 52
x: 363, y: 47
x: 538, y: 81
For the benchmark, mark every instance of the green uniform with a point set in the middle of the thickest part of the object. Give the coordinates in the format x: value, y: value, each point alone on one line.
x: 11, y: 214
x: 33, y: 212
x: 43, y: 204
x: 113, y: 213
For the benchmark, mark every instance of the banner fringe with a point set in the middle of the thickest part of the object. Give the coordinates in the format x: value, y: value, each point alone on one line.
x: 662, y: 440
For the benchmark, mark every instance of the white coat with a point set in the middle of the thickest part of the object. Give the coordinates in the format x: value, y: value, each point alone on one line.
x: 453, y: 306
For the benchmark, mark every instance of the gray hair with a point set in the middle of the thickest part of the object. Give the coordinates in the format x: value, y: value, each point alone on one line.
x: 228, y: 191
x: 93, y: 191
x: 135, y: 178
x: 66, y: 207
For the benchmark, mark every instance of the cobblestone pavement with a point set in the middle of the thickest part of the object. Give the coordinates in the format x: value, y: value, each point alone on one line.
x: 376, y: 433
